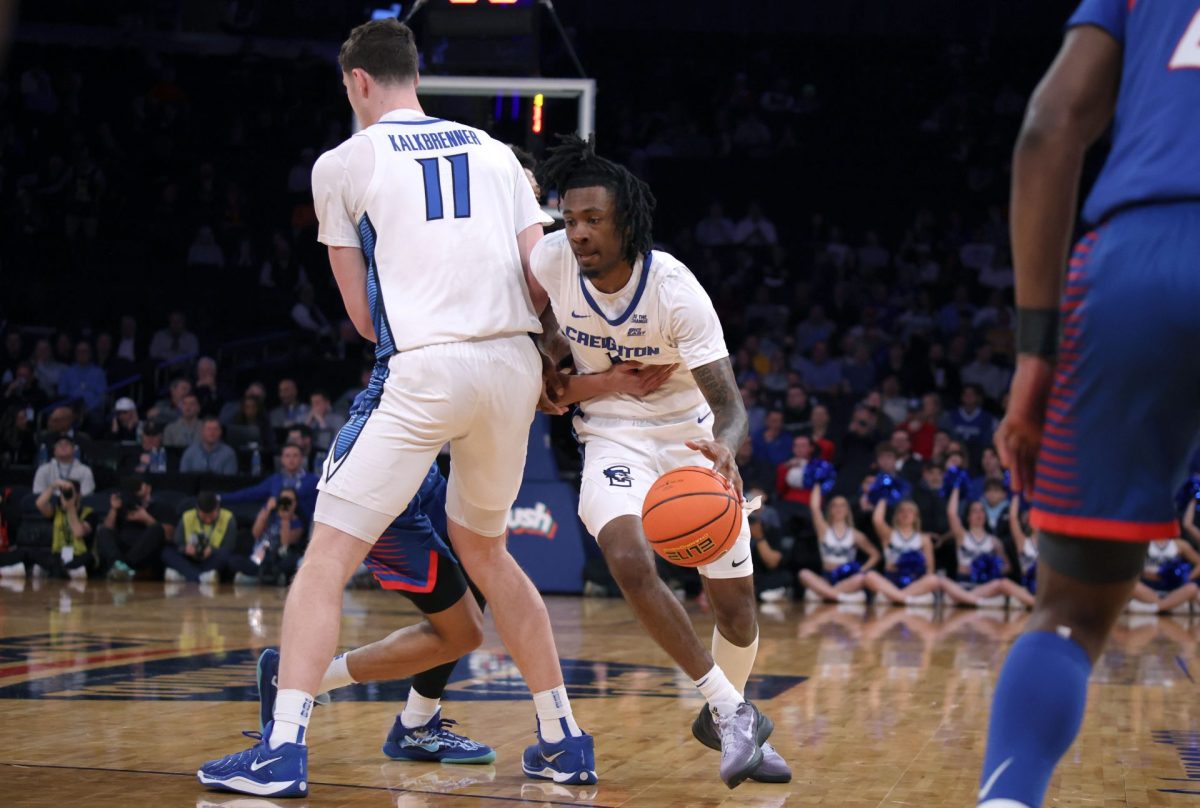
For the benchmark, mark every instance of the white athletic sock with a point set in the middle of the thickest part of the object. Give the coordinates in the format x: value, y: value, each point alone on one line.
x: 555, y: 721
x: 737, y: 661
x: 418, y: 709
x: 721, y: 695
x: 292, y: 710
x: 336, y: 675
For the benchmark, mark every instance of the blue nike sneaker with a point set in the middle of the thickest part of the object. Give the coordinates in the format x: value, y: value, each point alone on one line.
x: 267, y: 676
x: 571, y: 761
x: 433, y: 742
x: 260, y: 770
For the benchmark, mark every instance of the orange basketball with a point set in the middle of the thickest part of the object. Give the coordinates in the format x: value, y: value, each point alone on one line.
x: 691, y: 516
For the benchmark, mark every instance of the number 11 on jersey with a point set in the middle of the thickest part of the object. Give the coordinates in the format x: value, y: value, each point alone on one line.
x: 460, y: 177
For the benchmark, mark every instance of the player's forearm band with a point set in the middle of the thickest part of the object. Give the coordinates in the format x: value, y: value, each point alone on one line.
x: 1037, y: 332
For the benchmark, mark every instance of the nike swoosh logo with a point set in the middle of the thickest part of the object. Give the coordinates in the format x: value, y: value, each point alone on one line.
x: 258, y: 764
x: 579, y: 316
x: 703, y: 418
x: 991, y: 781
x: 740, y: 563
x: 554, y: 757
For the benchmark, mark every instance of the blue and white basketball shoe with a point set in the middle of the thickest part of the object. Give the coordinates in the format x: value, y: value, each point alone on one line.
x: 433, y: 742
x: 260, y: 770
x: 571, y: 761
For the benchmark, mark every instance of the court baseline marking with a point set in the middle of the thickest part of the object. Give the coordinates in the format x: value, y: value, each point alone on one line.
x: 310, y: 782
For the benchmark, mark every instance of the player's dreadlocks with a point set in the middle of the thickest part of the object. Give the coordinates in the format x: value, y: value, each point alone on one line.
x: 574, y: 164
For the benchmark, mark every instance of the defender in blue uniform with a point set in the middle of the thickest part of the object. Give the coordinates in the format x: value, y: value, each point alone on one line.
x: 1105, y: 403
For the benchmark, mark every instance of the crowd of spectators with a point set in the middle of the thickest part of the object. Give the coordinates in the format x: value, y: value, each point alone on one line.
x: 869, y: 314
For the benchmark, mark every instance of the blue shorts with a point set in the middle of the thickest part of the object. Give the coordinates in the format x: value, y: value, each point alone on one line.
x: 1124, y: 414
x: 409, y: 554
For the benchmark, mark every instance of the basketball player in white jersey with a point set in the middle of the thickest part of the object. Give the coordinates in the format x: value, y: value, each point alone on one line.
x: 616, y: 301
x: 429, y: 225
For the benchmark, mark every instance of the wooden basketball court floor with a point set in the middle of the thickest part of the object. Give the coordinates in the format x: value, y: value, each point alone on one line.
x: 113, y: 694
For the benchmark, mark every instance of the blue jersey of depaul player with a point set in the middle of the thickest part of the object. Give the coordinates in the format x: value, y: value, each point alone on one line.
x: 1155, y: 153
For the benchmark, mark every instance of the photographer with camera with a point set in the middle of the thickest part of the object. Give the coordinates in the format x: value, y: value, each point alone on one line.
x: 74, y: 525
x: 204, y: 544
x: 291, y: 475
x: 134, y: 530
x: 279, y: 532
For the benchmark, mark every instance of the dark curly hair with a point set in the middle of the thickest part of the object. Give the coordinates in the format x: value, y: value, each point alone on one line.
x: 573, y: 163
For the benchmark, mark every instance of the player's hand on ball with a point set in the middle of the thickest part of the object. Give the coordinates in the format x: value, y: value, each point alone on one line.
x: 722, y: 460
x: 637, y: 379
x: 1019, y: 435
x: 552, y: 388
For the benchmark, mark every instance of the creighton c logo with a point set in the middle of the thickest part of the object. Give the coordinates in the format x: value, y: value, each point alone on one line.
x: 619, y: 476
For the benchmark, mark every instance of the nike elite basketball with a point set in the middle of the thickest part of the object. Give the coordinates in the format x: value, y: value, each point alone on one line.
x: 691, y: 516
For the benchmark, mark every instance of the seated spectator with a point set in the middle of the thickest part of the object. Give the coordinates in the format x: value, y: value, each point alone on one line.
x: 185, y: 430
x: 308, y: 317
x: 208, y: 390
x: 205, y: 252
x: 346, y: 399
x: 204, y: 545
x: 85, y: 382
x: 970, y: 423
x: 46, y: 368
x: 18, y: 441
x: 279, y: 530
x: 209, y: 455
x: 300, y: 435
x: 927, y: 493
x: 756, y: 413
x: 73, y: 533
x: 885, y: 460
x: 789, y: 476
x: 893, y: 402
x: 126, y: 428
x: 290, y: 476
x: 986, y: 374
x: 127, y: 345
x: 12, y: 355
x: 773, y: 443
x: 152, y: 457
x: 716, y: 229
x: 290, y: 410
x: 23, y: 391
x: 818, y: 428
x: 134, y: 531
x: 757, y: 472
x: 922, y: 424
x: 755, y: 229
x: 813, y: 329
x: 63, y: 465
x: 995, y: 506
x: 858, y: 448
x: 171, y: 408
x: 909, y: 465
x: 989, y: 462
x: 174, y: 341
x: 231, y: 408
x: 323, y: 422
x: 775, y: 380
x: 795, y: 409
x: 818, y: 372
x: 858, y: 371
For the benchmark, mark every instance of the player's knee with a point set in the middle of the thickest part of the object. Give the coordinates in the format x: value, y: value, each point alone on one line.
x: 633, y: 569
x: 738, y: 623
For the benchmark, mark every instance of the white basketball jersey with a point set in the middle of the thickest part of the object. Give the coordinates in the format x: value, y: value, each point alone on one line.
x: 435, y: 206
x: 662, y: 316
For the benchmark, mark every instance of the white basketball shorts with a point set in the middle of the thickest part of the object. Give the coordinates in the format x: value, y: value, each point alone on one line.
x: 478, y: 396
x: 622, y: 459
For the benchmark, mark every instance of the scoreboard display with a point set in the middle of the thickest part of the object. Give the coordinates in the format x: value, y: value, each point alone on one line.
x: 480, y: 18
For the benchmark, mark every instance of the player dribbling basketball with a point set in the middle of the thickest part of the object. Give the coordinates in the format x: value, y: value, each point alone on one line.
x: 619, y: 301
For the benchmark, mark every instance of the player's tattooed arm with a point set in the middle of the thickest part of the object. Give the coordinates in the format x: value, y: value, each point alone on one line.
x: 730, y: 422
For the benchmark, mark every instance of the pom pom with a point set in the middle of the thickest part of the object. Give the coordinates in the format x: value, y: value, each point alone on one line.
x: 910, y: 567
x: 822, y: 473
x: 1173, y: 574
x: 956, y: 477
x: 985, y: 568
x: 893, y: 489
x: 843, y: 572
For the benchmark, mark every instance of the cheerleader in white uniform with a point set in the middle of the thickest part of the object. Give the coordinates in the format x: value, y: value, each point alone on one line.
x: 899, y: 539
x: 975, y: 542
x: 1154, y: 593
x: 840, y: 545
x: 1027, y: 552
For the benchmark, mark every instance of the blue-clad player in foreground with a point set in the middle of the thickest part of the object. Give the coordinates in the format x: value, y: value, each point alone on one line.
x: 1103, y: 415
